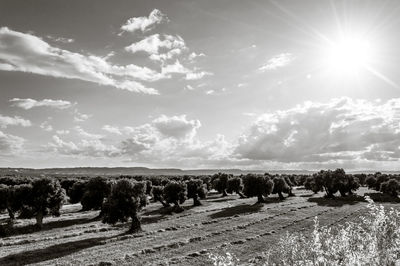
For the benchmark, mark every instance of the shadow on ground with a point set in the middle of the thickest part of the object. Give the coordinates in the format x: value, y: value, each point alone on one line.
x: 27, y: 229
x: 236, y: 210
x: 338, y: 201
x: 52, y: 252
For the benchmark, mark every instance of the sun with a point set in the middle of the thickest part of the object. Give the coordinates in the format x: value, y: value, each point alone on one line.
x: 348, y: 56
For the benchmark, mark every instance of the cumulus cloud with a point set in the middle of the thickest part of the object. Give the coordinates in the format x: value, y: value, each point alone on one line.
x: 10, y: 144
x: 46, y: 126
x: 342, y: 130
x: 6, y: 121
x: 85, y: 134
x: 28, y: 53
x: 156, y: 43
x: 60, y: 39
x: 145, y: 23
x: 277, y: 61
x: 80, y: 117
x: 91, y: 148
x: 31, y: 103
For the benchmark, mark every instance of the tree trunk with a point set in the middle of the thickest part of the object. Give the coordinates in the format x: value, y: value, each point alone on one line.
x: 241, y: 195
x: 260, y: 199
x: 11, y: 213
x: 224, y: 194
x: 177, y: 208
x: 291, y: 194
x: 135, y: 225
x: 342, y: 193
x: 39, y: 220
x: 164, y: 203
x: 196, y: 201
x: 281, y: 197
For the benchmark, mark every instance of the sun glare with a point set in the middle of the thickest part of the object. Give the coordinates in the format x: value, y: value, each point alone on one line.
x: 349, y: 55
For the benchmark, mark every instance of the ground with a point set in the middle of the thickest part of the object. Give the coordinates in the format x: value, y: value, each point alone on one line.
x: 220, y: 224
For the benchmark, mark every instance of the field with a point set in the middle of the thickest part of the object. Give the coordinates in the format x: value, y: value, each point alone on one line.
x: 238, y: 225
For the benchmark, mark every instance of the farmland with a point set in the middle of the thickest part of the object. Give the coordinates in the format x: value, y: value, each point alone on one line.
x: 220, y: 223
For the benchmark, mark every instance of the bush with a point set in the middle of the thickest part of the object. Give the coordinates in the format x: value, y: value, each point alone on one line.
x: 195, y: 190
x: 125, y: 200
x: 175, y: 192
x: 373, y: 240
x: 235, y: 184
x: 257, y: 186
x: 96, y: 190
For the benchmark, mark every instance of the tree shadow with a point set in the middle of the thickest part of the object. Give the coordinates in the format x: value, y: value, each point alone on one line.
x: 307, y: 195
x: 380, y: 197
x: 337, y: 201
x: 236, y: 210
x: 220, y: 199
x: 32, y: 228
x: 53, y: 252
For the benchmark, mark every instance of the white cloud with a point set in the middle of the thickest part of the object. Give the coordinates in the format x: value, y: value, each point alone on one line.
x: 197, y: 75
x: 28, y: 53
x: 145, y: 23
x: 277, y: 61
x: 79, y: 117
x: 153, y: 44
x: 31, y: 103
x: 91, y: 148
x: 10, y: 144
x: 6, y: 121
x: 112, y: 129
x: 84, y: 134
x: 46, y: 126
x: 340, y: 131
x: 60, y: 39
x: 62, y: 132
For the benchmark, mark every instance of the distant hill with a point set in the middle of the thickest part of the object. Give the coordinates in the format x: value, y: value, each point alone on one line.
x: 117, y: 171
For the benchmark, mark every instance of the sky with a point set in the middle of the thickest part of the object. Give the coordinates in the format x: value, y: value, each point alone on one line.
x: 200, y: 84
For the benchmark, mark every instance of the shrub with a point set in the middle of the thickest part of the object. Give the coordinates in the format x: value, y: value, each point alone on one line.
x: 235, y: 184
x: 372, y: 240
x: 96, y: 190
x: 125, y: 200
x: 371, y: 182
x: 195, y: 190
x: 175, y: 192
x: 257, y: 186
x: 5, y: 200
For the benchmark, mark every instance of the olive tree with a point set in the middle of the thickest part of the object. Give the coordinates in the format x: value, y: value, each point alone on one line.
x: 257, y: 186
x: 44, y: 196
x: 127, y: 197
x: 157, y: 192
x: 235, y: 184
x: 280, y: 186
x: 391, y: 187
x: 175, y: 192
x: 76, y: 191
x: 220, y: 183
x: 96, y: 190
x: 195, y: 190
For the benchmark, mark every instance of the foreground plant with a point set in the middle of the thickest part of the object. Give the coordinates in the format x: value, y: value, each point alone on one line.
x: 373, y: 240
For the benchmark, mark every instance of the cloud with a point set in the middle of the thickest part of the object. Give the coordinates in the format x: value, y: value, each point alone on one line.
x: 60, y: 39
x: 155, y: 43
x: 27, y: 53
x: 10, y: 144
x: 277, y: 61
x: 340, y: 131
x: 145, y: 23
x: 112, y: 129
x: 197, y: 75
x: 84, y: 134
x: 91, y: 148
x: 176, y: 126
x: 46, y: 126
x: 79, y: 117
x: 31, y: 103
x: 6, y: 121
